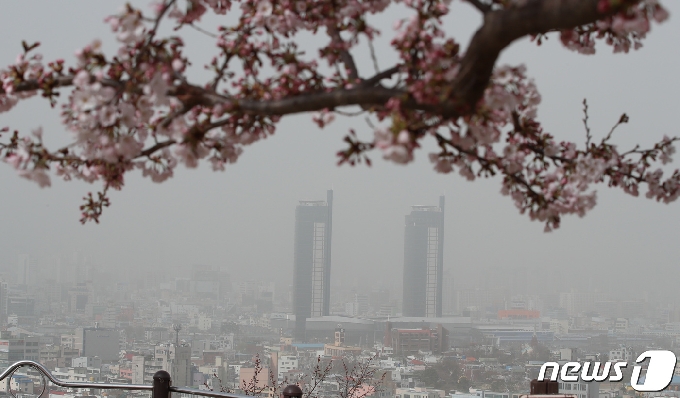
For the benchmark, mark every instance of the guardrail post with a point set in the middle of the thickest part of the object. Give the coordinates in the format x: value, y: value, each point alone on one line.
x: 291, y: 391
x: 161, y: 384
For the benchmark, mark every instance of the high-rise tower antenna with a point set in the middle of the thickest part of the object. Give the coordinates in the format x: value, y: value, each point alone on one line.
x: 177, y: 327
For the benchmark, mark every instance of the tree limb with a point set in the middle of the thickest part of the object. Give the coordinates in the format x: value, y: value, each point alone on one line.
x: 149, y: 151
x: 482, y: 7
x: 59, y: 81
x: 502, y: 27
x: 364, y: 96
x: 379, y: 76
x: 345, y: 56
x: 499, y: 30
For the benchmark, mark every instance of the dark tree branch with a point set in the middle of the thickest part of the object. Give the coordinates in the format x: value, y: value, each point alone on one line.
x: 482, y: 7
x: 364, y: 96
x: 59, y: 81
x: 345, y: 56
x: 32, y: 85
x: 380, y: 76
x: 501, y: 28
x: 150, y: 151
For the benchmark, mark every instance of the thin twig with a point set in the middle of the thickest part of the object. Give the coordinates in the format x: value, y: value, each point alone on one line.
x: 585, y: 123
x: 380, y: 76
x: 159, y: 146
x: 157, y: 22
x: 623, y: 119
x: 373, y: 57
x: 199, y: 29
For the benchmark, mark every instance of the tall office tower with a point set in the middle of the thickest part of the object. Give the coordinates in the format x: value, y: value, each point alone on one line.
x: 423, y: 260
x: 26, y: 270
x: 312, y: 261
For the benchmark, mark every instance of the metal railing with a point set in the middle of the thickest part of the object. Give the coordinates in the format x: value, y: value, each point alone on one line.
x: 161, y: 388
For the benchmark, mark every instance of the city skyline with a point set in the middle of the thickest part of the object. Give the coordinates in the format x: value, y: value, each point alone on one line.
x: 213, y: 275
x: 203, y: 217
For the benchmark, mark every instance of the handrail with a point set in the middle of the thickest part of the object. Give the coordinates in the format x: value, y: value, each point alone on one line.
x: 70, y: 384
x: 206, y: 393
x: 46, y: 374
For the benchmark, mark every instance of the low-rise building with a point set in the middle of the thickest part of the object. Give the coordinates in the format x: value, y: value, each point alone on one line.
x: 579, y: 389
x: 622, y: 354
x: 19, y: 384
x: 285, y: 364
x: 419, y: 392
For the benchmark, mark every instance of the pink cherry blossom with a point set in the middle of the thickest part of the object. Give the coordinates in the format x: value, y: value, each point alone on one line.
x: 141, y: 109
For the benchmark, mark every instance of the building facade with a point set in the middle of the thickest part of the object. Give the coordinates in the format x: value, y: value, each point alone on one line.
x: 415, y: 341
x: 14, y: 349
x: 312, y: 261
x: 26, y: 270
x: 285, y: 363
x: 99, y: 342
x: 338, y: 349
x: 176, y: 359
x: 423, y: 261
x: 579, y: 389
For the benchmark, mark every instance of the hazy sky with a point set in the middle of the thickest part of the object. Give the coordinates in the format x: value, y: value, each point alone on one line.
x: 243, y: 219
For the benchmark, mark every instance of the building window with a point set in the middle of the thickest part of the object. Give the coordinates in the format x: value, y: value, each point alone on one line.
x: 318, y: 266
x: 432, y: 267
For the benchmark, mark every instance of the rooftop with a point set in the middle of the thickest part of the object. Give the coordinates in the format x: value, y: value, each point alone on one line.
x: 312, y: 203
x: 435, y: 320
x: 339, y: 319
x: 425, y: 208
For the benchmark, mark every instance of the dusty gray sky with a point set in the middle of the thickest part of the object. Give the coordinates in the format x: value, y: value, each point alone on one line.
x: 243, y: 219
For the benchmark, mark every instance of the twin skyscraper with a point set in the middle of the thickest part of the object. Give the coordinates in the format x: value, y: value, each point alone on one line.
x: 312, y: 261
x: 423, y: 260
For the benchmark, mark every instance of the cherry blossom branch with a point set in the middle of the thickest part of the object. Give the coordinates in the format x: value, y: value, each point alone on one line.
x: 623, y: 119
x: 585, y: 123
x: 365, y: 96
x: 318, y: 376
x: 162, y: 10
x: 151, y: 150
x: 502, y: 27
x: 138, y: 110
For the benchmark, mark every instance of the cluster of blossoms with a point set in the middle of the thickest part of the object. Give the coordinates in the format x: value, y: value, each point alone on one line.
x: 25, y: 68
x: 137, y: 110
x: 622, y: 30
x: 287, y: 17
